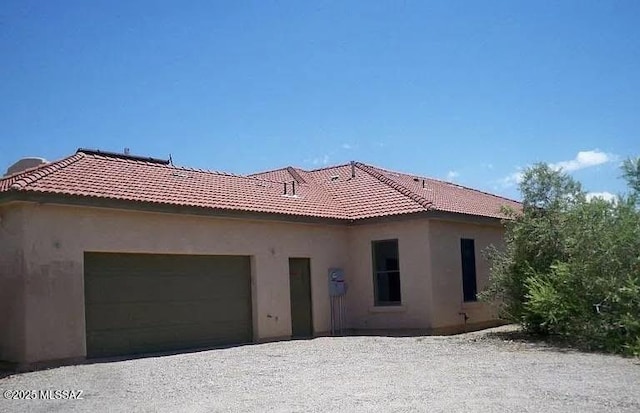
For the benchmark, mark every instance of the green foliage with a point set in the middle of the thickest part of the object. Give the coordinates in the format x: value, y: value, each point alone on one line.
x: 631, y: 173
x: 571, y: 267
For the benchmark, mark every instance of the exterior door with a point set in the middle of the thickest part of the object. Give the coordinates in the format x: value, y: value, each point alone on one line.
x: 300, y: 294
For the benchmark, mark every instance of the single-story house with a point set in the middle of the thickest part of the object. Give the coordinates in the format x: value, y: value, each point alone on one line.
x: 107, y: 254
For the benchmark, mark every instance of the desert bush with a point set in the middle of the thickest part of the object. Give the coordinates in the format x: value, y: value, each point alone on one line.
x: 571, y: 266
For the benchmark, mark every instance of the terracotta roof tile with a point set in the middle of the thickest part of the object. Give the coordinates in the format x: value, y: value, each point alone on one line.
x: 450, y: 197
x: 363, y: 196
x: 326, y: 193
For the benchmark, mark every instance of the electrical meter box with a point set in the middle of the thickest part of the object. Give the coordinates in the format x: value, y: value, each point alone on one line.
x: 337, y: 286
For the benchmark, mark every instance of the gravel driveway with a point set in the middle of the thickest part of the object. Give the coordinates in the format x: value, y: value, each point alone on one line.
x: 476, y: 372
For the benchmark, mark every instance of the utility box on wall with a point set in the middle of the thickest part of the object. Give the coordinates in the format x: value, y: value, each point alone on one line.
x: 337, y: 286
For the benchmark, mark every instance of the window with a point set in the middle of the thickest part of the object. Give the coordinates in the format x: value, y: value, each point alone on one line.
x: 469, y: 288
x: 386, y: 272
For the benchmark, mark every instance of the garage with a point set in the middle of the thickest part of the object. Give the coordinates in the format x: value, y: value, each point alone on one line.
x: 141, y: 303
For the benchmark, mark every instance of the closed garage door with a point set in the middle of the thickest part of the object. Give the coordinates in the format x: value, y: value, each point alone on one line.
x: 139, y: 303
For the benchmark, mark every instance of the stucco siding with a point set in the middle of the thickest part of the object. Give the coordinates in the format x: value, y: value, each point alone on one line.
x: 42, y: 250
x: 56, y: 237
x: 12, y: 284
x: 446, y: 270
x: 413, y: 250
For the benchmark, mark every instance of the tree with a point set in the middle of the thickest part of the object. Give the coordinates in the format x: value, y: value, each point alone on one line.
x: 571, y: 267
x: 631, y: 173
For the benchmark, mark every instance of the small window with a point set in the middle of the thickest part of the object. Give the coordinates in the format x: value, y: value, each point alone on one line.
x: 469, y: 288
x: 386, y: 273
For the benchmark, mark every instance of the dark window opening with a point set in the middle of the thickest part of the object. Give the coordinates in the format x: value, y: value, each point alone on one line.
x: 469, y: 287
x: 386, y: 273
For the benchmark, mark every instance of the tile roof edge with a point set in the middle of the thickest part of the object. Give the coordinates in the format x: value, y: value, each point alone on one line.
x: 448, y: 183
x: 46, y: 170
x: 425, y: 203
x: 476, y: 190
x: 125, y: 203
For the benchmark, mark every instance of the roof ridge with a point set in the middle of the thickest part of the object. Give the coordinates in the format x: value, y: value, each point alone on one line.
x: 203, y: 170
x: 253, y: 178
x: 176, y: 167
x: 46, y: 170
x: 324, y: 168
x: 267, y: 172
x: 124, y: 156
x: 221, y: 173
x: 323, y: 187
x: 148, y: 162
x: 292, y: 170
x: 395, y: 185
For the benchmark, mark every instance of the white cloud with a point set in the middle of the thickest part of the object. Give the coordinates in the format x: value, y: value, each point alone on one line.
x: 512, y: 179
x: 322, y: 160
x: 607, y: 196
x: 346, y: 146
x: 451, y: 175
x: 584, y: 159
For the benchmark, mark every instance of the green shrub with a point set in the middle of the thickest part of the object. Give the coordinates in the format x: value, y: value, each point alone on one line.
x: 571, y: 267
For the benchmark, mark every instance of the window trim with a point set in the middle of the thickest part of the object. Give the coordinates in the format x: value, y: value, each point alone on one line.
x: 375, y: 273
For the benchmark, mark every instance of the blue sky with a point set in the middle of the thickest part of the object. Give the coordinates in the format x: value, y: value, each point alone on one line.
x: 462, y: 90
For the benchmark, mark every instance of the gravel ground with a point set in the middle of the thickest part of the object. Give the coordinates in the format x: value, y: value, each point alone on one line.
x: 480, y: 372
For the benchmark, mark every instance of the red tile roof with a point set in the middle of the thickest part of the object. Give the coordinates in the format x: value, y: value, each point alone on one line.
x: 323, y: 193
x: 450, y: 197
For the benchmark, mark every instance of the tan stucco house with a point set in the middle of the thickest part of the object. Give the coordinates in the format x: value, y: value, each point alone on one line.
x: 109, y: 254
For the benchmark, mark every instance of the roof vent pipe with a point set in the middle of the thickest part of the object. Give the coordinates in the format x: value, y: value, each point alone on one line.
x: 423, y: 183
x: 353, y: 169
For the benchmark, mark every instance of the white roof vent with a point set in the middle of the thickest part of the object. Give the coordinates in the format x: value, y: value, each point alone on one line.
x: 24, y: 164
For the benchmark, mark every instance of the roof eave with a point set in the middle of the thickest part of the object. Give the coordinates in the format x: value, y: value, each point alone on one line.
x: 434, y: 215
x: 123, y: 204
